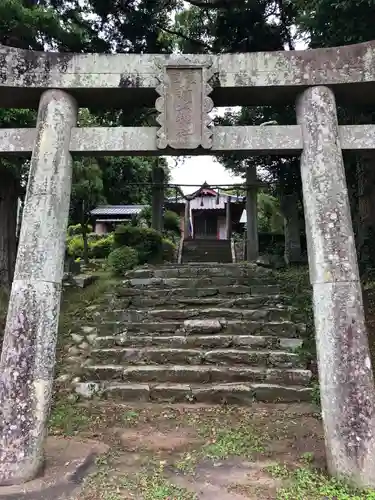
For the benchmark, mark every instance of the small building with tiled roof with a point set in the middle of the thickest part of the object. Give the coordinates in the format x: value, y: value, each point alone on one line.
x: 106, y: 217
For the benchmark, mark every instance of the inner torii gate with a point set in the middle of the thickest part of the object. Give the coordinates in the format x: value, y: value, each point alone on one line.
x: 184, y: 90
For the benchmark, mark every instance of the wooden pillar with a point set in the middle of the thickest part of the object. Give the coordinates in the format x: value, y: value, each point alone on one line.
x: 228, y: 221
x: 252, y: 244
x: 187, y: 220
x: 158, y: 176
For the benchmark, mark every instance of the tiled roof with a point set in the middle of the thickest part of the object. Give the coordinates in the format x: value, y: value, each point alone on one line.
x: 117, y: 210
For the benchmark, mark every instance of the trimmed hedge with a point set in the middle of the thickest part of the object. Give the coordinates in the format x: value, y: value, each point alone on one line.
x: 122, y: 259
x: 147, y: 242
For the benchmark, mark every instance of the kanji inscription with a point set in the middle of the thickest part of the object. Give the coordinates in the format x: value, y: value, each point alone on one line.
x: 184, y: 106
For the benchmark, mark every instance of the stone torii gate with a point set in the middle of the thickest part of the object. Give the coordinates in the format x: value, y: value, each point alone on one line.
x: 184, y: 89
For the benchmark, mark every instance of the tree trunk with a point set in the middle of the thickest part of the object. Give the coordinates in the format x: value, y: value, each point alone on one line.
x: 8, y: 227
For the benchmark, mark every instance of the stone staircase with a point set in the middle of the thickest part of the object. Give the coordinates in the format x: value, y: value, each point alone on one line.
x: 200, y: 333
x: 201, y: 250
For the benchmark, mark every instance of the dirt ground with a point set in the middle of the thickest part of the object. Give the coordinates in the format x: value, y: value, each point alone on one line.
x: 196, y: 452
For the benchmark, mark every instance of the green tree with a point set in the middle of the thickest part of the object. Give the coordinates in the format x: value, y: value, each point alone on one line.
x: 93, y: 26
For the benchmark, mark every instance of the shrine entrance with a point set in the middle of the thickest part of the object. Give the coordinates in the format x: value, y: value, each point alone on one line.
x: 205, y: 225
x: 184, y: 89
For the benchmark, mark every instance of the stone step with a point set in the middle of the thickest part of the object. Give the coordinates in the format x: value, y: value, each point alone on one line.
x: 196, y: 271
x: 197, y: 282
x: 195, y: 374
x: 231, y: 290
x: 264, y: 314
x: 232, y: 393
x: 284, y: 329
x: 149, y: 355
x: 200, y: 341
x: 170, y: 301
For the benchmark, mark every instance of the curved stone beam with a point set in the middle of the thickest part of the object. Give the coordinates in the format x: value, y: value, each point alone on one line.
x: 259, y: 78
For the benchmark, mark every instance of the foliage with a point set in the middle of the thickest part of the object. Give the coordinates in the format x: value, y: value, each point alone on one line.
x: 169, y: 250
x: 99, y: 247
x: 295, y: 283
x: 122, y: 259
x: 270, y: 218
x: 306, y: 483
x: 87, y: 190
x: 172, y: 222
x: 74, y: 246
x: 146, y: 241
x: 77, y: 229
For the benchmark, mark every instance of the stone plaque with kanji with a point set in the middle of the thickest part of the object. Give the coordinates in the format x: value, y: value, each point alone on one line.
x: 184, y: 108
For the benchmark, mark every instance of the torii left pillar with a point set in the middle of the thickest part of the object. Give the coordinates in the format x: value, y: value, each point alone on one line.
x: 28, y: 355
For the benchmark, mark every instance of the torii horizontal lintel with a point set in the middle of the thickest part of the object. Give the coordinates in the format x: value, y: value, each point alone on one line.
x: 129, y: 141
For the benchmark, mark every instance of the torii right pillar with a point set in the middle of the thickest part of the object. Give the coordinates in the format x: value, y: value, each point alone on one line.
x: 345, y: 372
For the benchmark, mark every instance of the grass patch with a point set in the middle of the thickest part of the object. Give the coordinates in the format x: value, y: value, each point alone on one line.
x: 148, y: 485
x: 304, y: 483
x: 222, y: 444
x: 240, y: 442
x: 68, y: 419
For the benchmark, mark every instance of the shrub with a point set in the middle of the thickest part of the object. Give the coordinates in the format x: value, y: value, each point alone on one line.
x: 147, y: 242
x: 77, y: 229
x: 126, y: 235
x: 169, y: 250
x: 95, y: 236
x: 172, y: 222
x: 74, y: 246
x: 122, y: 259
x: 144, y: 217
x: 101, y: 248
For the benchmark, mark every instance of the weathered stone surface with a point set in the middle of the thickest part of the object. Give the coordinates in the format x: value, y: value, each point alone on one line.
x: 201, y: 302
x: 196, y: 374
x: 28, y: 354
x: 282, y: 139
x: 26, y: 75
x: 87, y: 389
x: 233, y: 394
x: 127, y: 392
x: 291, y: 344
x: 77, y: 338
x: 270, y: 314
x: 184, y: 105
x: 84, y: 280
x: 202, y: 326
x: 346, y: 377
x: 68, y: 463
x: 200, y: 282
x: 172, y: 393
x: 270, y: 261
x: 88, y: 330
x: 139, y: 356
x: 280, y: 394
